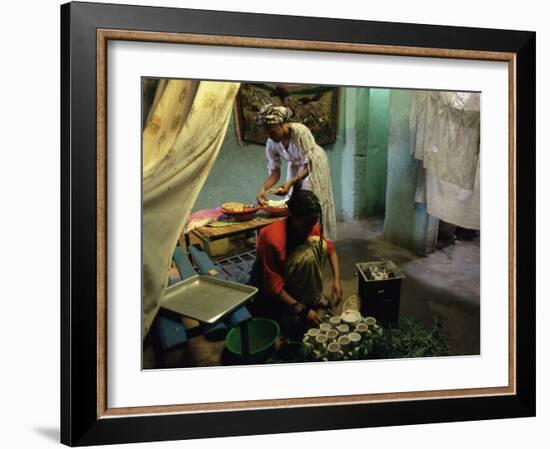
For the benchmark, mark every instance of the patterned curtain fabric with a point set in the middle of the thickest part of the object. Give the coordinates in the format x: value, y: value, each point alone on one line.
x: 183, y: 134
x: 445, y: 135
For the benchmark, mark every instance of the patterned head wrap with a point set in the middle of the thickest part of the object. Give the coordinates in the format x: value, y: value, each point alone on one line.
x: 271, y: 115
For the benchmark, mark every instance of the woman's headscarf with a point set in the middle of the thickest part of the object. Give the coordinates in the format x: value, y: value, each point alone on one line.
x: 271, y: 115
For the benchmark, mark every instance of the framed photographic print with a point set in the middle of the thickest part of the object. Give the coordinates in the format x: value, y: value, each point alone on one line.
x: 279, y: 224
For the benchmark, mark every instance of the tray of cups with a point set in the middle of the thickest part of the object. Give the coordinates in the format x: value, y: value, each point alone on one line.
x: 341, y: 337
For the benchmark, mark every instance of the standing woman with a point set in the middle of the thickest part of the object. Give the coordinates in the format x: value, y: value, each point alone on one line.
x: 307, y: 162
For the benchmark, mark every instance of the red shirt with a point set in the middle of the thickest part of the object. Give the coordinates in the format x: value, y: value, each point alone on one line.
x: 271, y: 252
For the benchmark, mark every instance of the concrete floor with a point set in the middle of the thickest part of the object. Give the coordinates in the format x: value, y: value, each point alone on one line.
x: 442, y: 285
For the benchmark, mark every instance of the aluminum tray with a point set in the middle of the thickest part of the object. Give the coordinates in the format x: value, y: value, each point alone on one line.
x: 205, y: 298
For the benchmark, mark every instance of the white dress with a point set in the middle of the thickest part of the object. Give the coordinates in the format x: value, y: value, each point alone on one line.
x: 303, y: 150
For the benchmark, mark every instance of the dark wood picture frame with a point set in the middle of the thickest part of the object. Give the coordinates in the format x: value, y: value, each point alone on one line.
x: 86, y: 29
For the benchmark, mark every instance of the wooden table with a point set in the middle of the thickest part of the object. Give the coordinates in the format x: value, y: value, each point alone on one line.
x: 211, y: 234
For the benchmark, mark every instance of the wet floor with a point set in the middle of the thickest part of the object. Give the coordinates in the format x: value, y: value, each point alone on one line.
x: 443, y: 285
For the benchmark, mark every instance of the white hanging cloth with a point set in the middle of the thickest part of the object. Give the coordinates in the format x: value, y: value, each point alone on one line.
x: 445, y: 134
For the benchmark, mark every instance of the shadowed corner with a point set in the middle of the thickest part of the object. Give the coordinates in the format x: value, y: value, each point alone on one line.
x: 50, y: 433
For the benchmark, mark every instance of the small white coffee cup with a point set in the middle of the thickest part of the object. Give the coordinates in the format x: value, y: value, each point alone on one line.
x: 370, y: 321
x: 343, y: 328
x: 313, y: 332
x: 354, y: 337
x: 332, y: 334
x: 344, y: 341
x: 333, y: 351
x: 321, y: 341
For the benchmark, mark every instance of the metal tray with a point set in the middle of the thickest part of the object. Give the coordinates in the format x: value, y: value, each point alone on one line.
x: 205, y: 298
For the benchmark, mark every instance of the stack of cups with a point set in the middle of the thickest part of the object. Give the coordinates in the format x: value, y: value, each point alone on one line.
x: 321, y: 342
x: 355, y: 339
x: 362, y: 329
x: 373, y: 326
x: 332, y: 335
x: 309, y: 338
x: 342, y: 329
x: 334, y: 351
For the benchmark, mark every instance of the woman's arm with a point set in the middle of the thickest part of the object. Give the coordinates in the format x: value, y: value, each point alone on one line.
x: 302, y: 174
x: 285, y: 297
x: 337, y: 290
x: 269, y: 182
x: 298, y: 307
x: 285, y: 188
x: 306, y: 142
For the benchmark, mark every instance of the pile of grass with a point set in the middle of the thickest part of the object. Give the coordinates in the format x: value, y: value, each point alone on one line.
x: 410, y: 338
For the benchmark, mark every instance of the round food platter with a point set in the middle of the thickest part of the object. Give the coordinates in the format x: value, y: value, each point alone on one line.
x: 239, y: 211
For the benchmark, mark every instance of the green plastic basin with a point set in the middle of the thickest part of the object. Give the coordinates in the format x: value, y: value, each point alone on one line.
x: 262, y: 335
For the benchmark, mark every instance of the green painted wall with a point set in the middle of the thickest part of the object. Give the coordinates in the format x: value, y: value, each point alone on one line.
x: 334, y: 153
x: 377, y: 152
x: 360, y: 154
x: 406, y: 222
x: 371, y: 151
x: 354, y: 154
x: 237, y: 173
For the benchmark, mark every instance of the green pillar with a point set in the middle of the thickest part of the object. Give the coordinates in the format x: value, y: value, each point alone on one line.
x: 371, y: 151
x: 335, y: 155
x: 377, y: 152
x: 406, y: 222
x: 360, y: 158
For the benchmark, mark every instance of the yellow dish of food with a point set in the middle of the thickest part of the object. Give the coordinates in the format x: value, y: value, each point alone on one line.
x: 233, y: 207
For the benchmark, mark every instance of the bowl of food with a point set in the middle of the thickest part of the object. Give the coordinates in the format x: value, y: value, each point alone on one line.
x: 275, y: 208
x: 239, y: 211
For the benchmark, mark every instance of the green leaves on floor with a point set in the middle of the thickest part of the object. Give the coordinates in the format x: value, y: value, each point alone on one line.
x: 411, y: 338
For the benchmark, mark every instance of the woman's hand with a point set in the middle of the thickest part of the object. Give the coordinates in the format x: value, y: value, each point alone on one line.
x: 282, y: 190
x: 337, y: 292
x: 261, y: 198
x: 313, y: 318
x: 309, y: 315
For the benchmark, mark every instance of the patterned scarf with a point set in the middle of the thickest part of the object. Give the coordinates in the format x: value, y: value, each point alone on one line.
x: 271, y: 115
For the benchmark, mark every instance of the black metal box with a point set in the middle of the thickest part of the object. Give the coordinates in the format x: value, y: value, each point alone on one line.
x: 380, y: 294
